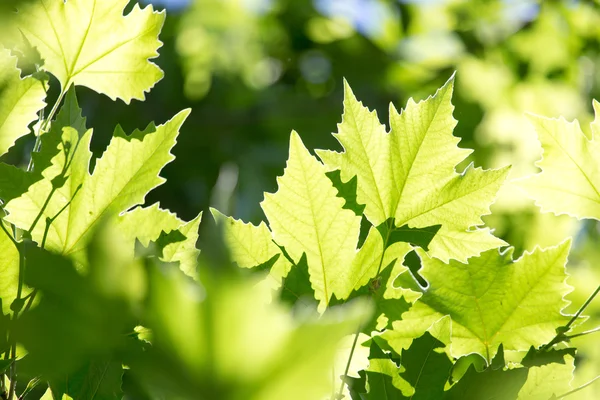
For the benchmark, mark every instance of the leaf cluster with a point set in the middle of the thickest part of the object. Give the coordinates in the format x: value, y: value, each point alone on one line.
x: 374, y: 262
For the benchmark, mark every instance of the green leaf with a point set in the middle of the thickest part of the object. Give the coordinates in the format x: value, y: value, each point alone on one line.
x: 95, y: 380
x: 70, y: 115
x: 358, y: 362
x: 370, y: 260
x: 494, y: 383
x: 14, y: 181
x: 548, y: 380
x: 427, y: 367
x: 347, y: 191
x: 9, y: 271
x: 390, y: 301
x: 306, y: 216
x: 184, y: 251
x: 91, y: 43
x: 384, y: 381
x: 492, y: 300
x: 251, y: 246
x: 146, y: 225
x: 570, y: 179
x: 383, y: 377
x: 122, y: 177
x: 409, y: 173
x: 420, y: 237
x: 78, y: 320
x: 20, y: 100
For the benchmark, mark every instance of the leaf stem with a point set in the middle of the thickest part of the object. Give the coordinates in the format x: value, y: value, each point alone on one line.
x: 579, y: 388
x: 339, y: 396
x: 22, y: 259
x: 54, y: 188
x: 583, y: 307
x: 390, y: 226
x: 44, y: 126
x: 568, y: 337
x: 560, y: 336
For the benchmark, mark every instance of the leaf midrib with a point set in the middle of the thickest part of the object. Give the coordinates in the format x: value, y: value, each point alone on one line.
x: 104, y: 209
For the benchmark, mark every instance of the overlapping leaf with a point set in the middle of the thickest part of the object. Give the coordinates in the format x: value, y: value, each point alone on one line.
x: 570, y: 179
x: 91, y: 43
x: 545, y: 381
x: 20, y: 100
x: 409, y: 173
x: 492, y: 300
x: 306, y: 216
x: 122, y: 177
x: 252, y: 246
x: 146, y: 224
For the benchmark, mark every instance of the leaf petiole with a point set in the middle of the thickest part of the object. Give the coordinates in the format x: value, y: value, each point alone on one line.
x: 560, y: 336
x: 579, y: 388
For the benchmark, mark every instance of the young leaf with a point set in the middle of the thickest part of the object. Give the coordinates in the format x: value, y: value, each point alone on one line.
x: 306, y: 216
x: 122, y: 177
x: 492, y: 300
x: 570, y: 179
x: 251, y: 246
x: 91, y: 43
x: 146, y: 224
x: 409, y: 173
x: 20, y: 100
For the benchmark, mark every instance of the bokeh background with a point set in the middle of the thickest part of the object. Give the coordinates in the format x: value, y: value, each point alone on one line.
x: 253, y: 70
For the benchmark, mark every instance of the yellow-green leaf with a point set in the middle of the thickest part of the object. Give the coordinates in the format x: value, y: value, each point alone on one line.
x: 492, y: 300
x: 570, y: 179
x: 91, y: 43
x: 409, y: 173
x: 122, y: 177
x: 146, y: 225
x: 20, y: 100
x: 306, y: 216
x: 251, y: 246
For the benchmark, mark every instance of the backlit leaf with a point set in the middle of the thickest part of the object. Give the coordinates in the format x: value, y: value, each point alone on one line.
x: 91, y: 43
x: 492, y: 300
x: 20, y: 100
x: 409, y: 173
x: 570, y: 179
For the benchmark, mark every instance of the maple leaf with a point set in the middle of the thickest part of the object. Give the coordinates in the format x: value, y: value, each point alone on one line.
x: 306, y: 216
x: 570, y: 179
x: 492, y: 300
x: 75, y: 201
x: 91, y: 43
x: 409, y: 173
x: 146, y: 224
x: 252, y: 246
x: 20, y: 100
